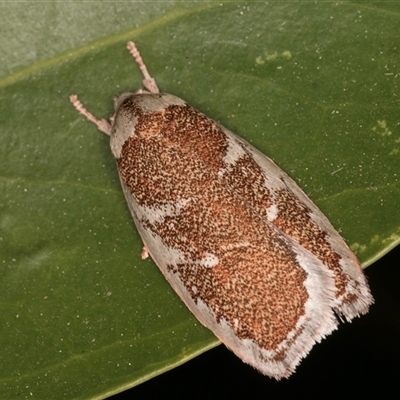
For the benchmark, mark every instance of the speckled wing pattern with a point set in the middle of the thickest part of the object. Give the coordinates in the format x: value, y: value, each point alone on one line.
x: 242, y: 245
x: 251, y: 256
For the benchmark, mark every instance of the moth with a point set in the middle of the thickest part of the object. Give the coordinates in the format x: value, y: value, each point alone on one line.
x: 248, y: 252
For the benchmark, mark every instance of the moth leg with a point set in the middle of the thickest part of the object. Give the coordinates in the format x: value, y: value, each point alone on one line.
x: 102, y: 124
x: 148, y: 82
x: 145, y: 253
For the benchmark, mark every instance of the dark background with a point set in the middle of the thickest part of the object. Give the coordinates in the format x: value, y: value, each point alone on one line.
x: 361, y: 358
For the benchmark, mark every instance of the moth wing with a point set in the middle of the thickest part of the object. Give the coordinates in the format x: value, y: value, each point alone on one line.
x: 217, y: 217
x: 297, y: 216
x: 227, y: 318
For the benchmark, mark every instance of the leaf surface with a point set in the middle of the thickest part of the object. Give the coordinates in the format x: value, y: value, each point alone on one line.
x: 313, y: 86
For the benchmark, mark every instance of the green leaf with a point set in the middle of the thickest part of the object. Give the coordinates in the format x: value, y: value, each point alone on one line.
x: 314, y: 86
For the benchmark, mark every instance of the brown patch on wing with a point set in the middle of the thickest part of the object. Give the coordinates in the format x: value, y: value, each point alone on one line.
x: 256, y: 285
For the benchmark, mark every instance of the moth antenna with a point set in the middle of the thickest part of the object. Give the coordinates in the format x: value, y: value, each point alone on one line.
x: 102, y: 124
x: 148, y: 82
